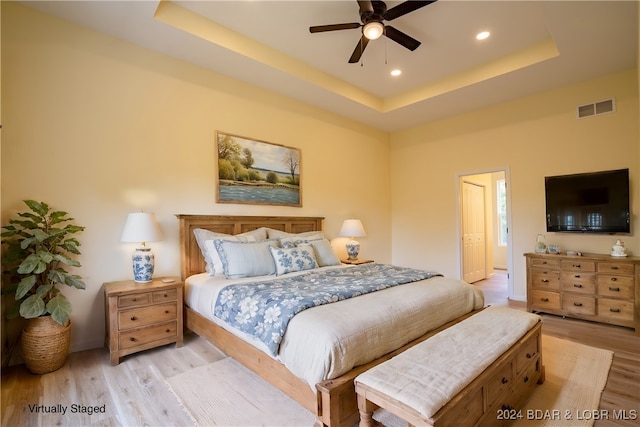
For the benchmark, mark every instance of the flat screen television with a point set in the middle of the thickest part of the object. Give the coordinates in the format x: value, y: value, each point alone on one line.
x: 596, y: 202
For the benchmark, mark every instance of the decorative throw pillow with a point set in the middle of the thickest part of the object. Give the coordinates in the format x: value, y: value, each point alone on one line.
x: 205, y: 238
x: 288, y: 260
x: 245, y: 259
x: 324, y: 253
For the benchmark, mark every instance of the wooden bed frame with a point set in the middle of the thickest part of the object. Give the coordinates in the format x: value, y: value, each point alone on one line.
x: 334, y: 402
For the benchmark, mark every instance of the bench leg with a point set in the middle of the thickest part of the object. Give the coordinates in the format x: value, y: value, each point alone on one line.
x: 366, y: 409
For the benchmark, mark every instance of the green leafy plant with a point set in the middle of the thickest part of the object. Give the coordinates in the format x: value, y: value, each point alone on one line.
x: 37, y: 248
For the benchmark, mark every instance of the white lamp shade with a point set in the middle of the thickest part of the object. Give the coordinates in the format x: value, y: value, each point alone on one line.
x: 352, y: 228
x: 141, y: 227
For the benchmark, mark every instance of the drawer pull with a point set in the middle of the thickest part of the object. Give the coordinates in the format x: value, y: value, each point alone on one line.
x: 544, y: 299
x: 507, y: 408
x: 526, y: 379
x: 168, y: 330
x: 132, y: 339
x: 614, y: 279
x: 611, y: 288
x: 614, y: 310
x: 577, y: 285
x: 134, y: 318
x: 166, y: 312
x: 577, y: 304
x: 504, y: 380
x: 134, y: 299
x: 530, y: 355
x: 577, y: 266
x: 577, y: 276
x: 544, y: 280
x: 615, y: 267
x: 165, y: 295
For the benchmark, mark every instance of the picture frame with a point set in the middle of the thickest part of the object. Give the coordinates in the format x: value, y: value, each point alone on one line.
x: 251, y: 171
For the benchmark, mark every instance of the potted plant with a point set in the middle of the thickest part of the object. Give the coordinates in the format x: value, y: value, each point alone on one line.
x: 37, y: 248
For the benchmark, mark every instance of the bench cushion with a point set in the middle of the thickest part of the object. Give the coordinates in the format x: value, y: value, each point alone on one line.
x: 428, y: 375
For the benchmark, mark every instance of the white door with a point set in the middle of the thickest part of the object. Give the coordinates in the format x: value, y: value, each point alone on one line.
x: 473, y: 234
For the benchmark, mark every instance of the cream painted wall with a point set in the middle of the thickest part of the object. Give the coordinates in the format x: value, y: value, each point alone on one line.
x: 532, y: 137
x: 101, y: 128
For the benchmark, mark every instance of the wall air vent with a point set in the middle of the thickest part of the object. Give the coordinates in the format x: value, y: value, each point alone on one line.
x: 596, y: 108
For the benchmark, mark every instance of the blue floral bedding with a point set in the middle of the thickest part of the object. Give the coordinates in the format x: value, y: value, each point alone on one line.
x: 263, y: 309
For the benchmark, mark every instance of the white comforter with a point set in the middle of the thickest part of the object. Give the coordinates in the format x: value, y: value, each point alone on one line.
x: 327, y: 341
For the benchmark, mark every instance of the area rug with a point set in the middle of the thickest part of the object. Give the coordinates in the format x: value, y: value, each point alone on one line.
x: 224, y: 393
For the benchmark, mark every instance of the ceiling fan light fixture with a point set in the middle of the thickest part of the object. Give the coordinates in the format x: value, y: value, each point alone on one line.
x: 373, y: 30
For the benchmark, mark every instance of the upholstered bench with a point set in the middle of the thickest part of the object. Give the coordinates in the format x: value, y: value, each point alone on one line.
x: 476, y: 372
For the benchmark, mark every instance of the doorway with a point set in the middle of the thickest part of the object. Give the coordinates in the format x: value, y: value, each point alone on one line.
x: 484, y: 226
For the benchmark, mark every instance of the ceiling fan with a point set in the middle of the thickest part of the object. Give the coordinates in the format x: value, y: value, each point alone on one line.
x: 372, y: 15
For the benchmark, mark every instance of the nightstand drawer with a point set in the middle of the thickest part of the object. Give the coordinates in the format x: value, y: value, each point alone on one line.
x: 148, y: 334
x: 143, y: 316
x: 133, y: 300
x: 168, y: 295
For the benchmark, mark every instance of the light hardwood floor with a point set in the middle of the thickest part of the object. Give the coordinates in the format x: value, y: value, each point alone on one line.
x: 134, y: 394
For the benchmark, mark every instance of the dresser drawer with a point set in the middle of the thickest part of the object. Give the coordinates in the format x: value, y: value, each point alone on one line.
x: 578, y: 304
x: 545, y: 279
x: 137, y: 317
x: 134, y: 299
x: 545, y: 300
x: 578, y: 282
x: 615, y: 309
x: 615, y: 286
x: 548, y: 263
x: 162, y: 296
x: 616, y: 268
x: 148, y: 334
x: 578, y: 265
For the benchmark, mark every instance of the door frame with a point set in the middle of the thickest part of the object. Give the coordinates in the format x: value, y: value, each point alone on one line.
x: 507, y: 176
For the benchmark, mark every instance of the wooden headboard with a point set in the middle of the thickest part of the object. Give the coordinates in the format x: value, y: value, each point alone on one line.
x: 191, y: 258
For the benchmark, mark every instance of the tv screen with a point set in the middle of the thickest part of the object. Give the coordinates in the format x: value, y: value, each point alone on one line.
x: 596, y: 202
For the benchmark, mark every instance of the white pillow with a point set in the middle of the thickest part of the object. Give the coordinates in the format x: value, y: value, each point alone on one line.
x: 278, y: 234
x: 245, y: 259
x: 288, y: 260
x: 210, y: 254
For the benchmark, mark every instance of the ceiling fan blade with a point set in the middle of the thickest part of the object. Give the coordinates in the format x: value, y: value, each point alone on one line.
x: 333, y: 27
x: 365, y: 6
x: 401, y: 38
x: 404, y: 8
x: 357, y: 52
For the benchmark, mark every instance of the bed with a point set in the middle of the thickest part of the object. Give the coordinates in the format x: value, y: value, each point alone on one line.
x: 328, y: 392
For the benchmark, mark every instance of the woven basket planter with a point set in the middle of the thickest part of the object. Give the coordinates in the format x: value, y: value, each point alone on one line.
x: 45, y: 344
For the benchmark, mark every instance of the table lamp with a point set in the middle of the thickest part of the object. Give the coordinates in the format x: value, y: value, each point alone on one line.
x: 142, y: 227
x: 352, y: 228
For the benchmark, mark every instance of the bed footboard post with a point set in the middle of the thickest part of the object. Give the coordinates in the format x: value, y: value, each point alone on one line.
x: 337, y: 402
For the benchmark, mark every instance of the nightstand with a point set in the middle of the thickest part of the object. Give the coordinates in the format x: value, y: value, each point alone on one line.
x: 356, y: 261
x: 140, y: 316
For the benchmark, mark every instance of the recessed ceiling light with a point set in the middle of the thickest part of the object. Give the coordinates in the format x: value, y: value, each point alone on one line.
x: 483, y: 35
x: 396, y: 72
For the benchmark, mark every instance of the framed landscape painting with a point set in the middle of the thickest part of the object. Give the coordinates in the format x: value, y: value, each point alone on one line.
x: 257, y: 172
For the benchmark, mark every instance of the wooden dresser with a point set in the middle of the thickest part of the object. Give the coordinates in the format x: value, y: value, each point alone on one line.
x: 140, y: 316
x: 593, y: 287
